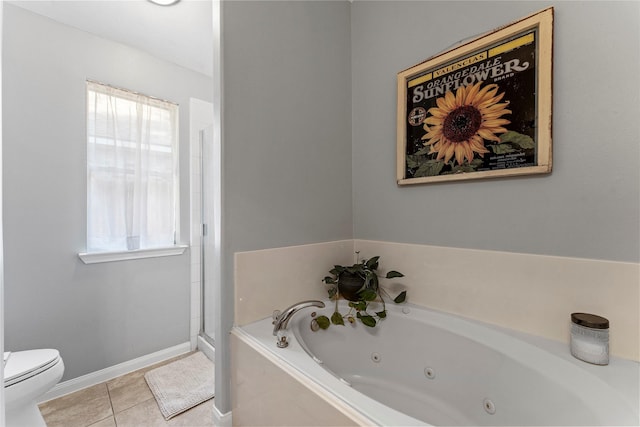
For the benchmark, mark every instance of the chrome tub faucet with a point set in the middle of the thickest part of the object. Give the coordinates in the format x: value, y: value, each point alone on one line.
x: 281, y: 319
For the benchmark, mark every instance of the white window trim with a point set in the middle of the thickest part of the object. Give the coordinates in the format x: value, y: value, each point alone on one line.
x: 98, y: 257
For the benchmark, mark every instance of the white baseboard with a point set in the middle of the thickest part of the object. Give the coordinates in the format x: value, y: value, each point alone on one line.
x: 207, y: 349
x: 112, y: 372
x: 220, y: 419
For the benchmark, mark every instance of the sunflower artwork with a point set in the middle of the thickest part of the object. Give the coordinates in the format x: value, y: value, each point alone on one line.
x: 457, y: 129
x: 479, y: 112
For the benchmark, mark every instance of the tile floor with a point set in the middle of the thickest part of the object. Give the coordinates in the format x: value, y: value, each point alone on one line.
x: 125, y: 401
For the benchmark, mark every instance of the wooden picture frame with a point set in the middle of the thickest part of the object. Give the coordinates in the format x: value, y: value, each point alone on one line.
x: 480, y: 110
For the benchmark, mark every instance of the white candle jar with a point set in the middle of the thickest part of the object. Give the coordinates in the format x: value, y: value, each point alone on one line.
x: 590, y: 338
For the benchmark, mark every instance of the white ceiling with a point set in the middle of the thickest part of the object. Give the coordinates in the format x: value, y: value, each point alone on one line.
x: 181, y: 33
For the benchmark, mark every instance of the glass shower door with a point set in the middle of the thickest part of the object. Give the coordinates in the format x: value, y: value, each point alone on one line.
x: 207, y: 314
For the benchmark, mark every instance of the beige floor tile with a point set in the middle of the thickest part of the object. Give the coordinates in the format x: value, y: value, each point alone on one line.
x: 79, y: 409
x: 145, y: 414
x: 131, y: 389
x: 123, y: 401
x: 107, y: 422
x: 128, y: 390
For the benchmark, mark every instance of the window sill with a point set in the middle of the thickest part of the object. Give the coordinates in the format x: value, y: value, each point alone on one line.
x: 97, y: 257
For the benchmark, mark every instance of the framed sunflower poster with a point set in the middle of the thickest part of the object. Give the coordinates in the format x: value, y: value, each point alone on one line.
x: 480, y: 110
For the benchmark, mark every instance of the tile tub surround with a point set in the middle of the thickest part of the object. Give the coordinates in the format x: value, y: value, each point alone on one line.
x: 529, y: 293
x: 273, y: 279
x: 535, y: 294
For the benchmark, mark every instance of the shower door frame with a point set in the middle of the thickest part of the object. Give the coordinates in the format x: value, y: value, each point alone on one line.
x: 202, y: 218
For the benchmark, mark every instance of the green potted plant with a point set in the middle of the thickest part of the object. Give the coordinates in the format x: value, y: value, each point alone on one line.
x: 359, y: 284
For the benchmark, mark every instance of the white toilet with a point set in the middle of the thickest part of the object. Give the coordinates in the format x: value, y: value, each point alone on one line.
x: 27, y: 376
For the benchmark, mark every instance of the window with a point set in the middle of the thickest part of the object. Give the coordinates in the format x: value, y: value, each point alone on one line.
x: 132, y: 170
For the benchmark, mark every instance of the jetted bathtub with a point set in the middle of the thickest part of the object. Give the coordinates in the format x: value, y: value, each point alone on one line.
x: 424, y: 367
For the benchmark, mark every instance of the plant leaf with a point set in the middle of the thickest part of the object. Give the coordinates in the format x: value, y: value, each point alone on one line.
x: 367, y: 320
x: 423, y: 151
x: 371, y: 281
x: 336, y: 319
x: 336, y: 270
x: 522, y: 141
x: 502, y: 148
x: 358, y: 305
x: 392, y: 274
x: 368, y: 295
x: 329, y: 280
x: 323, y: 322
x: 368, y: 278
x: 372, y: 263
x: 332, y: 292
x: 355, y: 269
x: 429, y: 168
x: 382, y: 314
x: 402, y: 296
x: 414, y: 160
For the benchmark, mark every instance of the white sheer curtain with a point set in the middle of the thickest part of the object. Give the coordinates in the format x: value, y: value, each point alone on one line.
x: 132, y: 173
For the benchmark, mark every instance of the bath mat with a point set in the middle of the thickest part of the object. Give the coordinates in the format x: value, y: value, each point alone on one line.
x: 181, y: 385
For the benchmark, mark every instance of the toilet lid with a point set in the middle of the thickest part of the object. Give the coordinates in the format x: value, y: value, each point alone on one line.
x: 25, y: 364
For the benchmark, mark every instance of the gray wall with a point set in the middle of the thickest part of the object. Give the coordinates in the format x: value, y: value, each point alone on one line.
x: 287, y: 123
x: 96, y: 315
x: 286, y: 133
x: 587, y: 208
x: 289, y: 113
